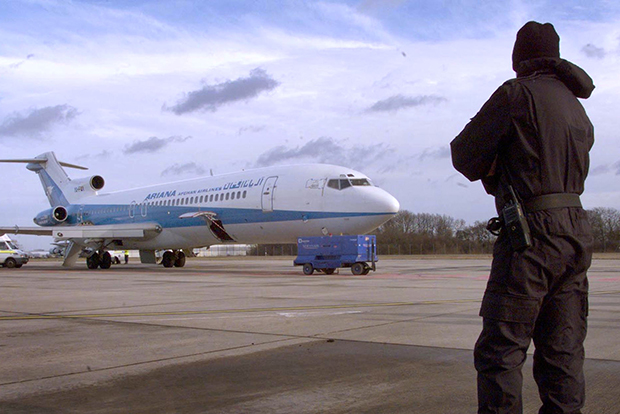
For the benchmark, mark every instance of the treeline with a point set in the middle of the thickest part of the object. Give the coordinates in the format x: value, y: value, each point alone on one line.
x: 605, y: 224
x: 423, y: 233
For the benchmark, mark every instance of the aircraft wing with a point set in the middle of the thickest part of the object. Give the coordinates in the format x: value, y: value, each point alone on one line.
x: 83, y: 236
x: 37, y: 231
x: 111, y: 231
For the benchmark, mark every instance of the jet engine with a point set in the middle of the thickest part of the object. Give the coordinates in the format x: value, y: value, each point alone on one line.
x: 86, y: 185
x: 52, y: 216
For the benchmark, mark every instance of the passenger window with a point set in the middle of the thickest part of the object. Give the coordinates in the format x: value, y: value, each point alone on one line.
x: 227, y: 195
x: 245, y: 193
x: 232, y: 196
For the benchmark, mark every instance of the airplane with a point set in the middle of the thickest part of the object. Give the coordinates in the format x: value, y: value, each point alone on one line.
x: 262, y: 206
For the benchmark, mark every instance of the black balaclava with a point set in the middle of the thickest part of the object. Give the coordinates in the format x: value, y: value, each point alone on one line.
x: 535, y: 40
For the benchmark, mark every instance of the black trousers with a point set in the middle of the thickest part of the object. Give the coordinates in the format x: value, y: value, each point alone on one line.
x: 539, y: 294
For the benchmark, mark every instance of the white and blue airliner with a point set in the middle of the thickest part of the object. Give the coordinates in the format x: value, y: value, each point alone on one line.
x: 262, y: 206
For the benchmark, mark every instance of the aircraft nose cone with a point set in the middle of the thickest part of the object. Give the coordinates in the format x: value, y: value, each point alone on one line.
x: 384, y: 207
x: 385, y: 202
x: 391, y: 204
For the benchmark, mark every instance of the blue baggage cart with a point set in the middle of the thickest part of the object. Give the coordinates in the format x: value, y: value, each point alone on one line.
x: 329, y: 253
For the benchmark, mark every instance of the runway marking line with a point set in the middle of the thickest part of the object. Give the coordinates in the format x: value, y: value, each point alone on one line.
x: 215, y: 311
x: 250, y: 310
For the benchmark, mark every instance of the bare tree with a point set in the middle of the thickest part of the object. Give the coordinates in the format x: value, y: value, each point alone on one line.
x: 605, y: 224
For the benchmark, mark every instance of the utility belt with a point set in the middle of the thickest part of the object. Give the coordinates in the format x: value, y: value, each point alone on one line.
x: 512, y: 217
x: 550, y: 201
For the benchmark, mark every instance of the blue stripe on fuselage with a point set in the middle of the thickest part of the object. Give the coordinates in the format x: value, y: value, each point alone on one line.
x: 168, y: 216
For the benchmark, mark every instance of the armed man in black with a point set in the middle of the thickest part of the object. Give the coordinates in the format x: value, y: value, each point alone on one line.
x: 529, y: 145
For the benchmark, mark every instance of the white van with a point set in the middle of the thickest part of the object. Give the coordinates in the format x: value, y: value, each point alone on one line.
x: 11, y: 256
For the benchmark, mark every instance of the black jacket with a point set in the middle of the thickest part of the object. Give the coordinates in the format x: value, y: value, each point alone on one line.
x: 532, y: 133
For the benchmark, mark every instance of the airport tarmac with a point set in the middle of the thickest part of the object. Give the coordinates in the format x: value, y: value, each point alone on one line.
x: 254, y: 335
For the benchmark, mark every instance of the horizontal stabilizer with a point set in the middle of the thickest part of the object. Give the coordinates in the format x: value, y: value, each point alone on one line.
x: 42, y: 161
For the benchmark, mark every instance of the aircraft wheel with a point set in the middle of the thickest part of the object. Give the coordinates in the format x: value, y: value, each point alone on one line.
x: 10, y: 263
x: 93, y: 261
x: 358, y: 268
x: 329, y: 271
x: 168, y: 259
x: 106, y: 261
x: 180, y: 261
x: 308, y: 269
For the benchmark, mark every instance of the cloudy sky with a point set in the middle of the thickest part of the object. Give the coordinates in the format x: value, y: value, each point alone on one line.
x: 144, y: 92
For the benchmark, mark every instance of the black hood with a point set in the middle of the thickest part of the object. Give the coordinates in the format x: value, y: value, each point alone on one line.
x: 535, y: 40
x: 575, y: 78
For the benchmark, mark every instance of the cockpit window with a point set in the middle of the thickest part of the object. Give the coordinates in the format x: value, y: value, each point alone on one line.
x: 334, y: 184
x: 360, y: 181
x: 342, y: 183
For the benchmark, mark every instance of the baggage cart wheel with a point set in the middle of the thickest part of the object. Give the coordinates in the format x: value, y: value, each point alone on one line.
x: 308, y: 269
x: 358, y: 268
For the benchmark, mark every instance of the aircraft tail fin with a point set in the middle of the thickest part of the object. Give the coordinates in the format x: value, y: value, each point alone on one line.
x: 56, y: 183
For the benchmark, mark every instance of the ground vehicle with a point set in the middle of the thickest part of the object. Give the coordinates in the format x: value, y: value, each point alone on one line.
x: 331, y: 252
x: 10, y: 255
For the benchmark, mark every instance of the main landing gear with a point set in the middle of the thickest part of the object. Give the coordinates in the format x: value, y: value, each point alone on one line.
x: 99, y: 259
x: 174, y: 258
x: 103, y: 259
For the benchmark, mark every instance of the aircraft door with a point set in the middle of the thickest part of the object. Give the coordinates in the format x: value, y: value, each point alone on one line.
x: 269, y: 189
x: 132, y: 209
